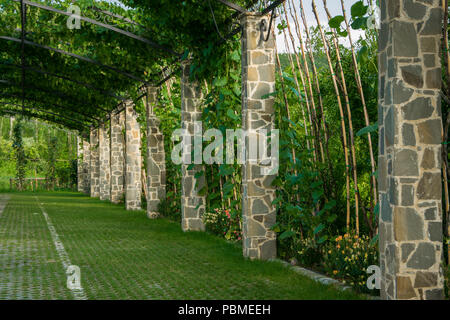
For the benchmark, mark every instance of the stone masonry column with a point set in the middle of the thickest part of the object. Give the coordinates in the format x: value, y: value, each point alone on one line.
x: 117, y: 156
x: 80, y: 159
x: 156, y: 160
x: 410, y: 127
x: 192, y: 204
x: 105, y: 163
x: 86, y: 167
x: 133, y: 165
x: 258, y: 79
x: 95, y: 169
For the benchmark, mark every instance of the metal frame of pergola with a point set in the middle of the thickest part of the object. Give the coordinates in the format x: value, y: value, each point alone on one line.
x: 163, y: 49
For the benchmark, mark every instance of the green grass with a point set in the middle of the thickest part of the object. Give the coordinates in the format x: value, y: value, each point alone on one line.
x: 124, y: 255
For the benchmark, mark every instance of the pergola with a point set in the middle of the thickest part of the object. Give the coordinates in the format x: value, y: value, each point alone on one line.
x: 110, y: 161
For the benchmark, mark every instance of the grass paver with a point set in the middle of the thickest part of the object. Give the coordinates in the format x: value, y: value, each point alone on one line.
x: 124, y: 255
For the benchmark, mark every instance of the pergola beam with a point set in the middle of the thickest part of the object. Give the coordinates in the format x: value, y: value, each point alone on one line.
x: 40, y: 110
x: 233, y: 6
x: 272, y: 6
x: 66, y: 78
x: 104, y: 25
x: 89, y: 60
x: 56, y: 93
x: 23, y: 9
x: 12, y: 95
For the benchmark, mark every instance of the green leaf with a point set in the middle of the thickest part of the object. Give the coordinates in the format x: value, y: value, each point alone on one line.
x: 359, y: 23
x: 319, y: 228
x: 235, y: 56
x: 295, y: 91
x: 220, y: 82
x: 331, y: 218
x: 276, y: 228
x: 359, y: 9
x: 374, y: 240
x: 376, y: 210
x: 230, y: 114
x: 287, y: 77
x: 322, y: 239
x: 330, y: 204
x: 363, y: 53
x: 199, y: 174
x: 286, y: 234
x: 268, y: 95
x: 185, y: 55
x: 335, y: 22
x: 343, y: 33
x: 369, y: 129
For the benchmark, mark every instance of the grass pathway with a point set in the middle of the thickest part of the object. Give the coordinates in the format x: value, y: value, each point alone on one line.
x: 124, y: 255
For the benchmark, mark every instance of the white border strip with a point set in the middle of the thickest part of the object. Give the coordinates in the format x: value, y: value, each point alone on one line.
x: 78, y: 293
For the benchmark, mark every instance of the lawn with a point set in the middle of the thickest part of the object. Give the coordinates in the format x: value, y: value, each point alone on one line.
x: 124, y: 255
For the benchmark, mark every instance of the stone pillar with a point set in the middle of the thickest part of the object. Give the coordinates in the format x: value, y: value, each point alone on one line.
x: 192, y: 204
x: 86, y: 167
x: 156, y: 161
x: 258, y: 79
x: 117, y: 156
x: 410, y: 127
x: 133, y: 163
x: 95, y: 168
x: 105, y: 163
x: 80, y: 169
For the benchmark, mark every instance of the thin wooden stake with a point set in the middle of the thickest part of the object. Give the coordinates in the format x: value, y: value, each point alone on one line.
x: 341, y: 112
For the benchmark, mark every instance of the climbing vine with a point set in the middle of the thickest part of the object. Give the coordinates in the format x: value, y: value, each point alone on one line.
x: 18, y: 146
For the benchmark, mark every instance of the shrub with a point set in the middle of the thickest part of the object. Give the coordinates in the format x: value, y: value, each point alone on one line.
x: 170, y: 208
x: 310, y: 253
x: 348, y: 257
x: 225, y: 223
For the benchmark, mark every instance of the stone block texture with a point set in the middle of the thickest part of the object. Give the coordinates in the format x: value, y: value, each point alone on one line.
x: 258, y: 79
x: 156, y: 160
x: 105, y: 163
x: 409, y: 166
x: 117, y: 149
x: 192, y: 204
x: 95, y: 164
x: 86, y: 167
x: 133, y: 161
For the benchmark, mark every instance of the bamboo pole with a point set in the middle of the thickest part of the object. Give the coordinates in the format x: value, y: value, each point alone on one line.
x: 363, y: 102
x: 294, y: 74
x: 315, y: 75
x: 309, y: 85
x: 350, y: 121
x: 312, y: 109
x: 280, y: 72
x: 341, y: 112
x: 296, y: 54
